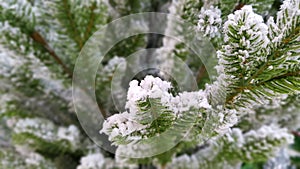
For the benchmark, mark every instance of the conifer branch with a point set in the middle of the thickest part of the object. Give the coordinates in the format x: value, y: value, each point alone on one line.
x: 296, y: 133
x: 90, y: 23
x: 201, y: 73
x: 278, y: 50
x: 258, y: 65
x: 37, y: 37
x: 70, y: 18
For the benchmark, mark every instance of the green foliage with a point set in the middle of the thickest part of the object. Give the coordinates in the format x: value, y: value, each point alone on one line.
x: 177, y: 130
x: 10, y: 159
x: 227, y: 7
x: 285, y: 114
x: 14, y: 113
x: 267, y: 75
x: 296, y: 146
x: 296, y: 161
x: 191, y: 10
x: 80, y: 20
x: 151, y: 111
x: 26, y: 40
x: 128, y: 46
x: 46, y: 148
x: 261, y: 7
x: 252, y: 165
x: 127, y: 7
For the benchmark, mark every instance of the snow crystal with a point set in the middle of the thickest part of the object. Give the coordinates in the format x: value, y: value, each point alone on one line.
x: 291, y: 5
x: 280, y: 161
x: 226, y: 118
x: 253, y: 24
x: 278, y: 30
x: 271, y: 132
x: 186, y: 101
x: 30, y: 157
x: 36, y: 126
x: 210, y: 21
x: 150, y: 87
x: 121, y: 125
x: 125, y: 124
x: 46, y: 130
x: 71, y: 134
x: 92, y: 161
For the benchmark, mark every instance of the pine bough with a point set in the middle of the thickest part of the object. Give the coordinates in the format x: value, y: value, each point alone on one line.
x: 244, y: 116
x: 258, y: 62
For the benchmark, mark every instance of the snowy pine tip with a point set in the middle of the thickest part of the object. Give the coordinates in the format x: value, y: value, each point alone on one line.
x: 127, y: 125
x: 150, y: 87
x: 186, y: 101
x: 121, y: 125
x: 155, y: 88
x: 210, y: 21
x: 246, y: 21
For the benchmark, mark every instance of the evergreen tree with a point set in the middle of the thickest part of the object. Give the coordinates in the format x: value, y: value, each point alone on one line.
x: 243, y: 115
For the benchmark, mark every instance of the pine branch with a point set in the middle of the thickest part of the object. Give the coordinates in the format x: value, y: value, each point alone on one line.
x: 73, y: 20
x: 235, y: 147
x: 260, y: 6
x: 296, y: 133
x: 38, y: 38
x: 30, y: 31
x: 47, y: 148
x: 201, y: 73
x: 27, y: 27
x: 90, y: 24
x: 10, y: 158
x: 72, y: 27
x: 274, y: 72
x: 277, y: 53
x: 228, y: 6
